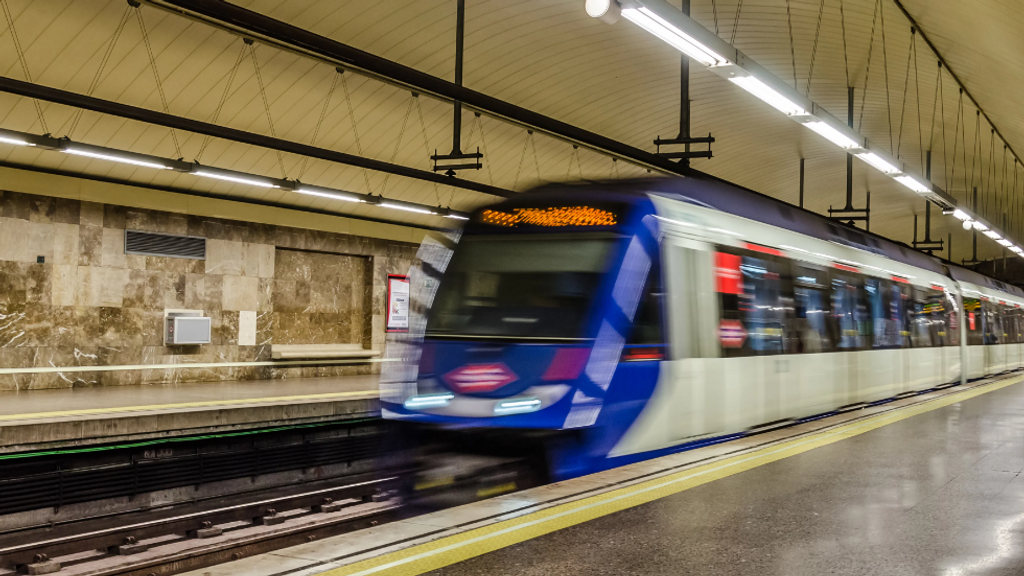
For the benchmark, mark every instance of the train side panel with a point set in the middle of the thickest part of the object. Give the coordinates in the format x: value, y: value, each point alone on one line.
x: 701, y: 394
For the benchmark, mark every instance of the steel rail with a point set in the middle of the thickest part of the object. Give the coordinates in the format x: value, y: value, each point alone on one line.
x: 111, y: 532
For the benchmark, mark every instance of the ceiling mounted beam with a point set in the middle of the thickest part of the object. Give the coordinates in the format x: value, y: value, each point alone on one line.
x: 58, y: 96
x: 252, y: 24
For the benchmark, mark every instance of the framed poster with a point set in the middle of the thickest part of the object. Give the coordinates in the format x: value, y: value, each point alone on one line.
x: 398, y: 304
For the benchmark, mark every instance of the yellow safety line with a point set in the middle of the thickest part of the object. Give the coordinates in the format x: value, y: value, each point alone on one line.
x: 456, y: 548
x: 151, y: 407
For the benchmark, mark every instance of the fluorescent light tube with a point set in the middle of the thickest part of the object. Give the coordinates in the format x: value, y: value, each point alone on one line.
x: 833, y: 135
x: 1016, y: 249
x: 992, y: 234
x: 112, y: 158
x: 406, y: 208
x: 331, y: 195
x: 680, y: 40
x: 979, y: 226
x: 768, y: 94
x: 1005, y: 242
x: 960, y: 214
x: 456, y: 217
x: 914, y: 184
x: 878, y: 163
x: 236, y: 179
x: 14, y: 141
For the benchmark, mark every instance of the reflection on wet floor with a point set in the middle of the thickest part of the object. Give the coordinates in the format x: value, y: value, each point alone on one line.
x: 939, y: 493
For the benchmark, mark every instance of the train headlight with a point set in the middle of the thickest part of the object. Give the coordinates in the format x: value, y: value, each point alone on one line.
x: 429, y: 401
x: 516, y: 406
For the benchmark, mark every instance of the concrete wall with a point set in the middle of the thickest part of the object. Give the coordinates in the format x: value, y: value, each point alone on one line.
x: 90, y: 304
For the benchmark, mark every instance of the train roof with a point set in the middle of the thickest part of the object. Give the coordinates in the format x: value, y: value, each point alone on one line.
x: 720, y: 195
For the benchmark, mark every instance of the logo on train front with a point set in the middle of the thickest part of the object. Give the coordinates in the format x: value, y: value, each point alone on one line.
x: 732, y: 334
x: 477, y: 378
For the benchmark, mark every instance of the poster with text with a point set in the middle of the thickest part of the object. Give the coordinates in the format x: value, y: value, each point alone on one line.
x: 398, y: 303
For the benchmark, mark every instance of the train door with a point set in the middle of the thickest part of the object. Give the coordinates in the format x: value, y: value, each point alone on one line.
x: 693, y: 315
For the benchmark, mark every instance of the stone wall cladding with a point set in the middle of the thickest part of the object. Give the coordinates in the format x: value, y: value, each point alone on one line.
x: 90, y: 304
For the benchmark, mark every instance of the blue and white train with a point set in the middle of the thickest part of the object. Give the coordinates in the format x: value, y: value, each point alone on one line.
x: 584, y: 326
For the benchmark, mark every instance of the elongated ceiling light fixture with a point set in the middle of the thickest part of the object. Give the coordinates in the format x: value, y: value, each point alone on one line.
x: 15, y: 138
x: 668, y: 23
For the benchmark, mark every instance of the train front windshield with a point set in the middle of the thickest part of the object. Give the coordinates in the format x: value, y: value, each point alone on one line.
x: 520, y: 286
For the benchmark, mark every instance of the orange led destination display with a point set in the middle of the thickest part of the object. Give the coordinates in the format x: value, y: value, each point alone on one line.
x: 552, y: 217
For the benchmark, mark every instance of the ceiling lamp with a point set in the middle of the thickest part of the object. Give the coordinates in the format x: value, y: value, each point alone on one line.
x: 673, y: 34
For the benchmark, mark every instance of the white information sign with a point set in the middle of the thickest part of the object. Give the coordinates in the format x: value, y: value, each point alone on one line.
x: 398, y: 304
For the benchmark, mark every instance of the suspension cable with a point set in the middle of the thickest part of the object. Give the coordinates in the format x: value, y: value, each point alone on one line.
x: 320, y: 121
x: 103, y: 64
x: 156, y: 75
x: 792, y: 48
x: 223, y: 97
x: 22, y: 61
x: 814, y: 49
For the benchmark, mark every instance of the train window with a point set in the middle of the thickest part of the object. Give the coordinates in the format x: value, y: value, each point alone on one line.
x: 522, y: 286
x: 901, y: 313
x: 849, y: 311
x: 753, y: 314
x: 886, y: 305
x: 811, y: 317
x: 921, y: 333
x: 974, y: 320
x: 647, y: 327
x: 952, y: 320
x: 993, y: 323
x: 935, y: 308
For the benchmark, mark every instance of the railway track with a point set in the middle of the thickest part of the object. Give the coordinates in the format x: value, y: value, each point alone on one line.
x: 164, y: 508
x: 187, y: 537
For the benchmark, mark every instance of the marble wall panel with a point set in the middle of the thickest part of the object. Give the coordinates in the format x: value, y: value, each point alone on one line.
x: 91, y: 214
x: 89, y: 304
x: 90, y: 246
x: 65, y: 244
x: 24, y: 241
x: 240, y: 293
x: 204, y: 292
x: 112, y: 248
x: 64, y: 285
x: 224, y: 257
x: 101, y: 287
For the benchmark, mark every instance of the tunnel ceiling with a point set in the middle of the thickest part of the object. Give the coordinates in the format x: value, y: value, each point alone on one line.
x: 549, y: 57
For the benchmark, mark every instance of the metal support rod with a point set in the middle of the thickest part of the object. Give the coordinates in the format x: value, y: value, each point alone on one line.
x: 460, y: 34
x: 928, y: 221
x: 914, y: 243
x: 974, y: 234
x: 849, y: 157
x: 802, y: 182
x: 58, y: 96
x: 684, y: 94
x: 927, y: 204
x: 949, y: 246
x: 867, y: 210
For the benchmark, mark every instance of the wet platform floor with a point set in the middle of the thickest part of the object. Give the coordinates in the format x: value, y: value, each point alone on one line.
x: 937, y: 493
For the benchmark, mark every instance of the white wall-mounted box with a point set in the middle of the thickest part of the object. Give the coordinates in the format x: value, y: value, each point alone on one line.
x: 186, y: 327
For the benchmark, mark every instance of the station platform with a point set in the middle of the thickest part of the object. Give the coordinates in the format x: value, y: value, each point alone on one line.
x: 32, y: 420
x: 929, y: 484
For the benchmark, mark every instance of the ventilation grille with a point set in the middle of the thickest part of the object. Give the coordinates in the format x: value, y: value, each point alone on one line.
x: 170, y: 245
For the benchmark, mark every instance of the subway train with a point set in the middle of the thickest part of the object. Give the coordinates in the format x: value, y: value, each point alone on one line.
x: 583, y: 326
